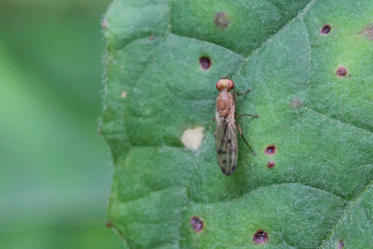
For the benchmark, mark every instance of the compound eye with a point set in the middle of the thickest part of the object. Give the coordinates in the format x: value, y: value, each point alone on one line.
x: 230, y: 85
x: 220, y: 85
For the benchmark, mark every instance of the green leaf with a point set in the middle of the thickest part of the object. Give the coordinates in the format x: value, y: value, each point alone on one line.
x: 311, y: 86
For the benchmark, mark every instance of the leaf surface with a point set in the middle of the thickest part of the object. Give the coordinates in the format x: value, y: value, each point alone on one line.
x: 311, y: 84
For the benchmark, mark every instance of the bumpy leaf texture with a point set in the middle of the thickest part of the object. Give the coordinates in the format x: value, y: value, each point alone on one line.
x: 309, y: 65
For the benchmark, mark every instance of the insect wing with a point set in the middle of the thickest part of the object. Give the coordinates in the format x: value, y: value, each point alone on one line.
x: 226, y: 145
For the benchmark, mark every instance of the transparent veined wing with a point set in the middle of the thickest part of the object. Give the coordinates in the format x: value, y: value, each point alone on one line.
x: 226, y: 145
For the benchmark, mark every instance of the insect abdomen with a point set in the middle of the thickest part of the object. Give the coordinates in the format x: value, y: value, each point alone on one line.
x: 224, y: 103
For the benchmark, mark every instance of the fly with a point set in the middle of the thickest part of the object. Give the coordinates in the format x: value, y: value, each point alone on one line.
x: 226, y: 126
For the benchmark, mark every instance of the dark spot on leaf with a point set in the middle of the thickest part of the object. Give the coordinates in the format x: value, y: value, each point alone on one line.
x: 224, y: 161
x: 197, y: 224
x: 271, y: 164
x: 234, y: 167
x: 341, y: 71
x: 220, y: 151
x: 260, y: 237
x: 341, y: 244
x: 205, y: 62
x: 325, y: 29
x: 109, y: 224
x: 270, y: 150
x: 229, y: 141
x: 296, y: 103
x: 221, y: 20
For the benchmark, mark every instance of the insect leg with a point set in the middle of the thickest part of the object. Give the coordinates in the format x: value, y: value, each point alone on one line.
x: 250, y: 115
x: 241, y: 94
x: 243, y: 138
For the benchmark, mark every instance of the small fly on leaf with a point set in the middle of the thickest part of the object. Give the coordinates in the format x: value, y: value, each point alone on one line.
x: 226, y: 126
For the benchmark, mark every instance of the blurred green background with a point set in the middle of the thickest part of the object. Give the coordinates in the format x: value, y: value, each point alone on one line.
x: 55, y: 169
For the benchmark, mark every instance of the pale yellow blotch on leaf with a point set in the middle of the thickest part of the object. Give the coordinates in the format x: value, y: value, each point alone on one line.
x: 192, y: 138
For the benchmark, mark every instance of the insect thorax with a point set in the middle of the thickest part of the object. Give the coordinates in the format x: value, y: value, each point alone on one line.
x: 224, y: 103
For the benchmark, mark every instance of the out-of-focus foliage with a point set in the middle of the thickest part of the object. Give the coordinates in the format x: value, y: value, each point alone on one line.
x: 55, y: 170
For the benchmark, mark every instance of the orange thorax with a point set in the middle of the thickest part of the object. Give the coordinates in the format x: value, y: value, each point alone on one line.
x: 224, y: 103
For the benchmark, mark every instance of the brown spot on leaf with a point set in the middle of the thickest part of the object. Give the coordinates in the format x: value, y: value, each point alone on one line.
x: 205, y: 62
x: 325, y: 29
x: 341, y: 71
x: 260, y: 237
x: 221, y: 20
x: 196, y: 223
x: 270, y: 150
x: 271, y: 164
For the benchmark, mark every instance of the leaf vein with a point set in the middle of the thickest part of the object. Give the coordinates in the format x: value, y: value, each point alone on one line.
x: 351, y: 204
